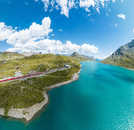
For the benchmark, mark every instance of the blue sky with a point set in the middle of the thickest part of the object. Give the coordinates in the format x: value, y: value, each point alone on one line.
x: 103, y: 28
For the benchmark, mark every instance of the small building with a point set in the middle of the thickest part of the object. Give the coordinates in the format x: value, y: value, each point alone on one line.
x: 32, y: 72
x: 18, y: 73
x: 67, y: 66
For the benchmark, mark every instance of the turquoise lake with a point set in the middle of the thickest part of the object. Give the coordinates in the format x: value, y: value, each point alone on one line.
x: 102, y: 99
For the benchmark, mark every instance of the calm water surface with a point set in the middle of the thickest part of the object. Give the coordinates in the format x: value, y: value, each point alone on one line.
x: 102, y: 99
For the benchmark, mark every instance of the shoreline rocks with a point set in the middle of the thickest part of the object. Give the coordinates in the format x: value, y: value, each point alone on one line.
x: 29, y: 113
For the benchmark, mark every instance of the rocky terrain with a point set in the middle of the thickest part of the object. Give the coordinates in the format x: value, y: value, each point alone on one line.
x: 124, y: 56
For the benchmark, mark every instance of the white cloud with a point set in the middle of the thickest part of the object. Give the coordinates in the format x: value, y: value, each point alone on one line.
x: 5, y: 31
x: 55, y: 47
x: 36, y: 39
x: 34, y: 32
x: 66, y: 5
x: 87, y: 3
x: 121, y: 16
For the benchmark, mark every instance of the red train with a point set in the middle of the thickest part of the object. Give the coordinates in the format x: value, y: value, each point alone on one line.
x: 22, y: 77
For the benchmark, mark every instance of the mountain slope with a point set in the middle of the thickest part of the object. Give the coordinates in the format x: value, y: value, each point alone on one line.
x: 5, y: 56
x: 81, y: 57
x: 124, y: 56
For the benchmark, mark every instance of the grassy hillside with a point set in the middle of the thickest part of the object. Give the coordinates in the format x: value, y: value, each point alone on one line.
x: 124, y: 56
x: 38, y: 63
x: 5, y: 56
x: 25, y: 93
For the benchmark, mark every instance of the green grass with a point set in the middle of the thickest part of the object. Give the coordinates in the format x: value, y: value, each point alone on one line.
x: 25, y: 93
x: 34, y: 63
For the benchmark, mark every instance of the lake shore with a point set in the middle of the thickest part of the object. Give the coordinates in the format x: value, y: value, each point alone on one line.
x: 130, y: 69
x: 30, y: 112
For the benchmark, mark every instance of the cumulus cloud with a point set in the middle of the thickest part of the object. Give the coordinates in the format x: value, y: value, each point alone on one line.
x: 121, y: 16
x: 55, y: 47
x: 5, y: 31
x: 34, y: 32
x: 35, y: 39
x: 66, y: 5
